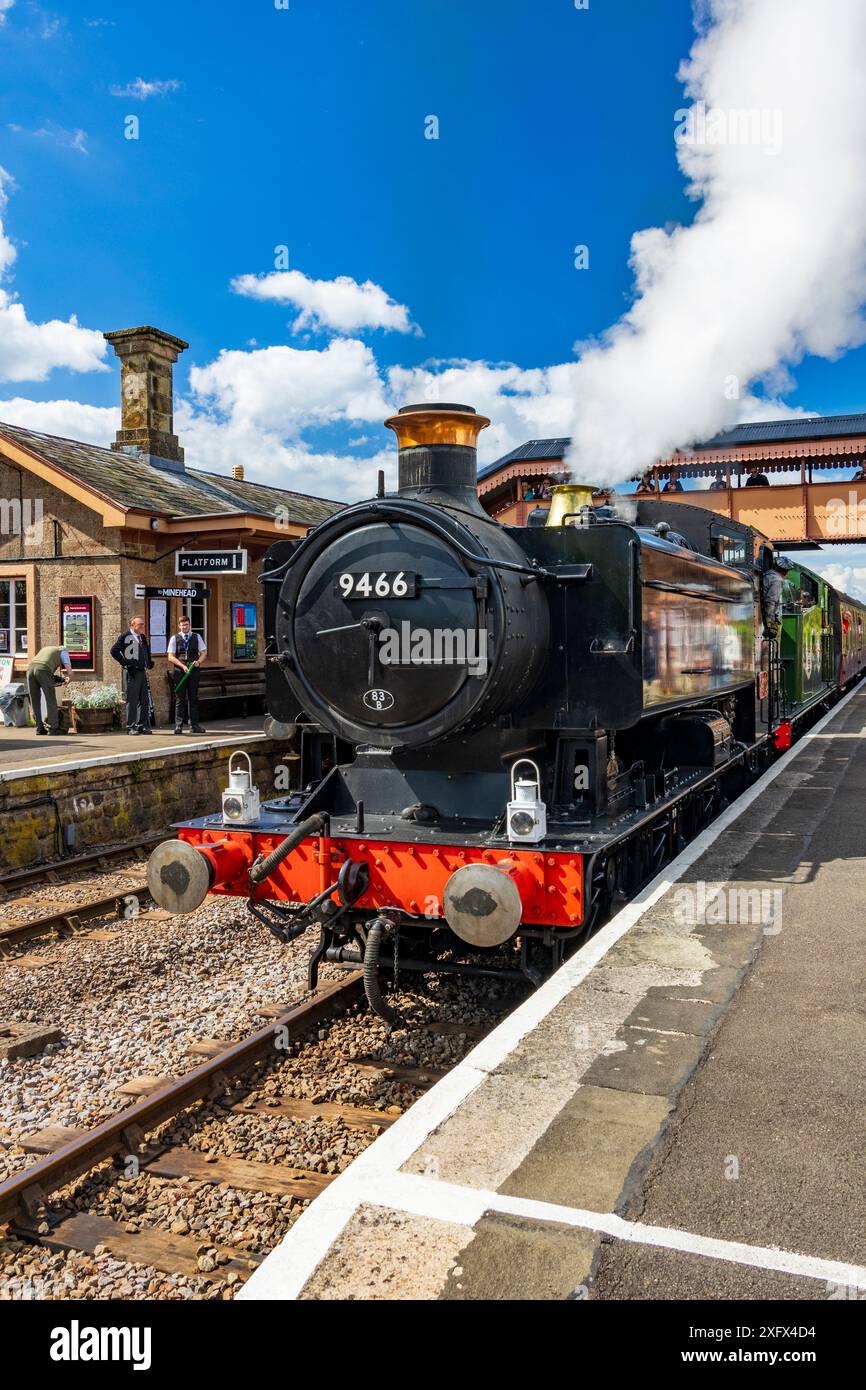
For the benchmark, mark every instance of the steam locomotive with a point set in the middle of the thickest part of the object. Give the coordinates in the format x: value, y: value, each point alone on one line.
x: 504, y: 730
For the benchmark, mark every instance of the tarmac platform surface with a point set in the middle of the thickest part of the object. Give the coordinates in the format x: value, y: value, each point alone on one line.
x: 677, y: 1113
x: 23, y: 752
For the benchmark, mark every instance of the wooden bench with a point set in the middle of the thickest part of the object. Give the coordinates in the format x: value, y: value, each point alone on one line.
x: 222, y: 689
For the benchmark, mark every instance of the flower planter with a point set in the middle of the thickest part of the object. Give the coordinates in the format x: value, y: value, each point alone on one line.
x: 93, y: 721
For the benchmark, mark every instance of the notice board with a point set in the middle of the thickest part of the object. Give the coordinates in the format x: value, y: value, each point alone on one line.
x: 76, y: 631
x: 243, y: 627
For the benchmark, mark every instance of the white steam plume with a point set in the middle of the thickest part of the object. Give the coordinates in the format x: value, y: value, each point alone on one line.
x: 774, y: 265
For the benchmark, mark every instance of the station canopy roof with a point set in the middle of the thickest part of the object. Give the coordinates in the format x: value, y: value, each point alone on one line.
x: 825, y: 441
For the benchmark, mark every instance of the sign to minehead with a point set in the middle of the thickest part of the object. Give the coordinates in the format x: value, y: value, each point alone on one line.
x: 170, y: 591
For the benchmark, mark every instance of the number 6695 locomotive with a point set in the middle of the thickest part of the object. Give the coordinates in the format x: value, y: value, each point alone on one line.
x: 522, y: 723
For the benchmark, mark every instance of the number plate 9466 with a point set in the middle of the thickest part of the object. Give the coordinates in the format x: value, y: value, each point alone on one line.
x: 376, y: 584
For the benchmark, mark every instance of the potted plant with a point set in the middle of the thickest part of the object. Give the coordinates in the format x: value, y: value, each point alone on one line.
x: 93, y: 707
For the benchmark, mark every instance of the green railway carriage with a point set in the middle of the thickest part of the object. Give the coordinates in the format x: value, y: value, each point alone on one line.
x: 821, y: 640
x: 849, y: 625
x: 806, y: 638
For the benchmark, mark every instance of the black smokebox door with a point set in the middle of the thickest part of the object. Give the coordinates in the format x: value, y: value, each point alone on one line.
x: 342, y: 642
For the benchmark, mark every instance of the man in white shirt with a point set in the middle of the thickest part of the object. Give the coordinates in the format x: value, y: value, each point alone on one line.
x: 186, y: 652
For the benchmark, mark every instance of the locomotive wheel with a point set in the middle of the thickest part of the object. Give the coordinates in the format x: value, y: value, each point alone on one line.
x: 601, y: 886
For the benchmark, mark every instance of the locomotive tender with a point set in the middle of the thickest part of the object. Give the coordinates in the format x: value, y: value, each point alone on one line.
x: 522, y: 723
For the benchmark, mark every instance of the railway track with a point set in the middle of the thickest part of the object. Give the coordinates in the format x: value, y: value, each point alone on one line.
x: 36, y: 1209
x: 18, y: 879
x: 65, y: 919
x: 125, y: 1131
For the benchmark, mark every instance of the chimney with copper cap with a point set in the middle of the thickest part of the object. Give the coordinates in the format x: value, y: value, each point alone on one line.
x: 438, y: 457
x: 147, y: 357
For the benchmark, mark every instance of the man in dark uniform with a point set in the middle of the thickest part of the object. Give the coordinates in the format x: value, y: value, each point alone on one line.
x: 132, y: 652
x: 186, y: 652
x: 773, y: 586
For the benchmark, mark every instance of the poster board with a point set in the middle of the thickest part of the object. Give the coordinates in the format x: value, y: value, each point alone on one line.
x: 157, y: 625
x: 243, y: 631
x: 6, y: 664
x: 76, y: 631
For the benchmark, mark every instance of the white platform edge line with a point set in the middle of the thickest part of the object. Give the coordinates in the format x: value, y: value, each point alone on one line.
x: 441, y: 1201
x: 165, y: 750
x: 290, y: 1265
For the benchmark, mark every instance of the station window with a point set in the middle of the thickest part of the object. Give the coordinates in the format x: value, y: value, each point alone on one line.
x: 196, y: 610
x: 13, y: 617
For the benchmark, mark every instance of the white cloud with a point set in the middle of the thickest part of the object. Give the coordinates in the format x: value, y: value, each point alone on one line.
x: 93, y: 424
x: 5, y: 7
x: 340, y: 304
x: 287, y: 389
x: 30, y: 351
x: 256, y: 406
x: 268, y: 457
x: 7, y: 250
x: 139, y: 90
x: 774, y: 265
x: 851, y: 579
x: 57, y: 134
x: 522, y: 403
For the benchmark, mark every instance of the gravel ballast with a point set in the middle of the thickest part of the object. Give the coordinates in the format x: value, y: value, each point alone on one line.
x: 131, y: 1004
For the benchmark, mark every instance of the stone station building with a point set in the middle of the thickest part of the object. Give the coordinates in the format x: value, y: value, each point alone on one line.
x: 88, y: 536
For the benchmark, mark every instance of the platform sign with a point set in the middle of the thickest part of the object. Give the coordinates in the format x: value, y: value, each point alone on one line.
x: 243, y: 622
x: 210, y: 562
x: 76, y: 631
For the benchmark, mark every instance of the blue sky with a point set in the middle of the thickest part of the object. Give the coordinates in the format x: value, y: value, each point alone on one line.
x: 304, y: 127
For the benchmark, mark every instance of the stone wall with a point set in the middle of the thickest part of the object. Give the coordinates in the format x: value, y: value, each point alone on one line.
x: 62, y: 550
x: 30, y: 508
x: 109, y: 805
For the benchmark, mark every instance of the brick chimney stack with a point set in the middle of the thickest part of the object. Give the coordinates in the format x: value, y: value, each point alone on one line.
x: 147, y: 356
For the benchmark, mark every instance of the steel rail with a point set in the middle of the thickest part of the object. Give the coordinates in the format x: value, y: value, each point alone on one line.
x: 39, y: 873
x: 72, y: 917
x: 124, y: 1132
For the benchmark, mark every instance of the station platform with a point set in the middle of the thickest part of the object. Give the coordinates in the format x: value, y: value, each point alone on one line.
x: 71, y: 793
x: 678, y: 1113
x: 23, y: 751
